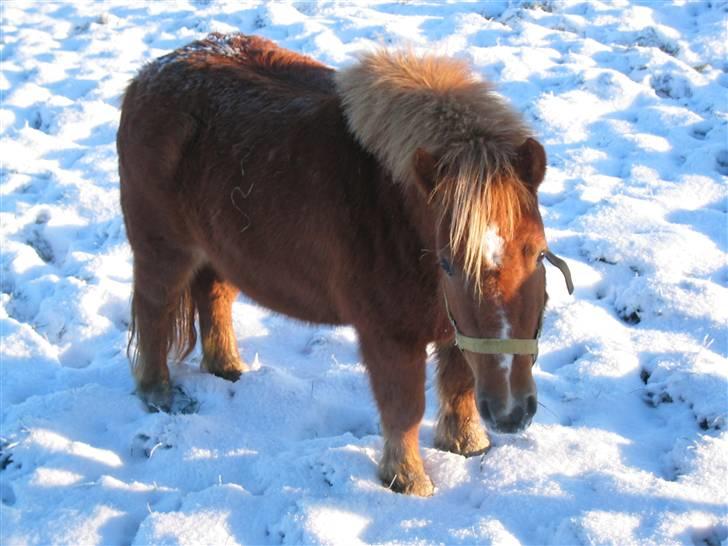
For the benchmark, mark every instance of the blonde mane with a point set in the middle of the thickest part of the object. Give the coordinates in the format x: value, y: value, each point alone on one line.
x: 397, y: 102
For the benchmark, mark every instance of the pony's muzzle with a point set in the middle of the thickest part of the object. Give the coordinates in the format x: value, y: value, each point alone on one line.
x: 498, y: 419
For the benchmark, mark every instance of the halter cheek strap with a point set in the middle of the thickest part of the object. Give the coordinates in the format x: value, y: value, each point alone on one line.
x: 497, y: 346
x: 561, y: 265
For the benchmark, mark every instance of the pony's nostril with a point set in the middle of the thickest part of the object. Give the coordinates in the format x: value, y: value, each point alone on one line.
x: 484, y: 410
x: 531, y: 405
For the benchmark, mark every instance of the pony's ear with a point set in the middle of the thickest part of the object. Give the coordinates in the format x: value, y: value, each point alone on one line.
x: 531, y: 163
x: 425, y: 167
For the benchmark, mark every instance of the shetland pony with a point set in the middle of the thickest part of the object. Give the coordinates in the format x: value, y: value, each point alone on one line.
x: 397, y: 195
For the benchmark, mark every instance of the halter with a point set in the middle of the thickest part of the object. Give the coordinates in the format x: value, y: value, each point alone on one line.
x: 498, y: 346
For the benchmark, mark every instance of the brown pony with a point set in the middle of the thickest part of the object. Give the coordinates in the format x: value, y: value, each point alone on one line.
x: 374, y: 196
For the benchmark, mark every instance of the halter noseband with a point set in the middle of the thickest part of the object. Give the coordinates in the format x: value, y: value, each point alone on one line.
x: 498, y: 346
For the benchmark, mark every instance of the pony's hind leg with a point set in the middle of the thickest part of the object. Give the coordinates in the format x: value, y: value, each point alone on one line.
x: 397, y: 376
x: 162, y: 320
x: 458, y: 426
x: 214, y: 299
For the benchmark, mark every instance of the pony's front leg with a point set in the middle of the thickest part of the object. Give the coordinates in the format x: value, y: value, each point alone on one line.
x: 397, y: 376
x: 458, y: 429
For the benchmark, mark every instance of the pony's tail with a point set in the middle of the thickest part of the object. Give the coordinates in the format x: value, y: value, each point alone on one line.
x: 177, y: 326
x: 183, y: 334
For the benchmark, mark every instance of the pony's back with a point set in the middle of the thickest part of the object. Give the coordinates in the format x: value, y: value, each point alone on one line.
x: 234, y: 68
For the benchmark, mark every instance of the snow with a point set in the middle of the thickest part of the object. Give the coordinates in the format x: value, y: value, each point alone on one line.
x: 630, y: 445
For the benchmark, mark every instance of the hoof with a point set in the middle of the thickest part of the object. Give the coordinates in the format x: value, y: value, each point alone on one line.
x: 230, y: 375
x: 405, y: 474
x: 156, y: 399
x: 168, y: 399
x: 230, y: 370
x: 468, y: 439
x: 418, y: 483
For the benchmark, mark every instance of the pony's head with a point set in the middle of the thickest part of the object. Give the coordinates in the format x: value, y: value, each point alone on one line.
x: 490, y: 246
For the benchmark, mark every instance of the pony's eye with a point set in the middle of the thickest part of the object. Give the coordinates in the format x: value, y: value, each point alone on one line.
x: 446, y: 267
x: 541, y: 256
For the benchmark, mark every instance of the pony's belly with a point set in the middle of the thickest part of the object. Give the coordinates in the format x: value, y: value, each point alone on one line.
x: 283, y: 289
x: 305, y: 308
x: 289, y: 255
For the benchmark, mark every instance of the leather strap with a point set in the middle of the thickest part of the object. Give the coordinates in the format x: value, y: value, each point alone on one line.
x: 493, y: 346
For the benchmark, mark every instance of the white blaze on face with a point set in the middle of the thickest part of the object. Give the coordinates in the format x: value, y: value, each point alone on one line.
x: 506, y: 361
x: 493, y: 247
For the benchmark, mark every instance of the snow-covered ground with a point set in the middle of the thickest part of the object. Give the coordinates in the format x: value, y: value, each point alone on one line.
x: 631, y: 102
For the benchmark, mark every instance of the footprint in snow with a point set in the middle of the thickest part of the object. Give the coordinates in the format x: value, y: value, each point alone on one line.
x: 630, y: 315
x: 37, y: 241
x: 671, y: 86
x: 700, y: 130
x: 721, y: 161
x: 144, y: 447
x: 7, y: 494
x: 713, y: 535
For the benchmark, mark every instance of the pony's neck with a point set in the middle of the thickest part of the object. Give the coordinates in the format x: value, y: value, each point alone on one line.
x: 415, y: 214
x: 421, y: 215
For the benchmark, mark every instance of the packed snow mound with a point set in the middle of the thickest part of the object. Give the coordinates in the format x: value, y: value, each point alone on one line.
x: 630, y: 444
